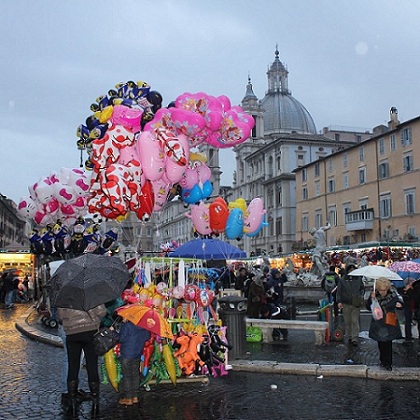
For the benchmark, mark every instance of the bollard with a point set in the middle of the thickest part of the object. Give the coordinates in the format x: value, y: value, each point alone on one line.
x: 291, y: 307
x: 232, y: 312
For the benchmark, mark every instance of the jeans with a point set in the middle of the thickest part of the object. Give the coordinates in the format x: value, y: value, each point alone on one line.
x: 9, y: 298
x: 130, y: 380
x: 75, y: 343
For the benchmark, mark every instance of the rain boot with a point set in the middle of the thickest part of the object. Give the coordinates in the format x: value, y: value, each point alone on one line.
x: 94, y: 393
x: 72, y: 392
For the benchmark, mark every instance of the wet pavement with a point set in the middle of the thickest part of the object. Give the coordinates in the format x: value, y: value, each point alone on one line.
x: 30, y: 382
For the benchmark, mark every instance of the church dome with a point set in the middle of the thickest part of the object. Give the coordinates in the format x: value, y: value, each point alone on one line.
x: 282, y: 112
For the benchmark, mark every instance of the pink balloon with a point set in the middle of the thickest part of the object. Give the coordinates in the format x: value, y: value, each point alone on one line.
x: 225, y: 101
x: 187, y: 122
x: 254, y: 215
x: 151, y: 154
x: 174, y: 170
x: 161, y: 188
x: 200, y: 218
x: 189, y: 179
x: 126, y: 116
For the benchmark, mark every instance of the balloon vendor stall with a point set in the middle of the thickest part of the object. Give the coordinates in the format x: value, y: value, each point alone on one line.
x: 141, y: 155
x: 174, y: 299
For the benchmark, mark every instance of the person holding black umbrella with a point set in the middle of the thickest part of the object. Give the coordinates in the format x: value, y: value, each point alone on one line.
x: 80, y: 326
x: 79, y: 289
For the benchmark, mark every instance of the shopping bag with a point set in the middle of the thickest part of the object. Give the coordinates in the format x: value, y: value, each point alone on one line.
x: 376, y: 309
x: 253, y: 334
x: 391, y: 319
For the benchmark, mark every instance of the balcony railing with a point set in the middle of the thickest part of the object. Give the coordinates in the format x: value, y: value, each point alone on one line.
x: 359, y: 220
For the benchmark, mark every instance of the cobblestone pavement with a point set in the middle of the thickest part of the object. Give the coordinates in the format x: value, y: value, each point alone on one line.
x: 30, y: 388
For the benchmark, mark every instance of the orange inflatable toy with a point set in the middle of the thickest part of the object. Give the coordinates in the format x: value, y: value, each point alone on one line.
x: 187, y: 354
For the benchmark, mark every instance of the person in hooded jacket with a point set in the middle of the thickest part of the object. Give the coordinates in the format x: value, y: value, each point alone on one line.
x: 132, y: 340
x: 386, y: 329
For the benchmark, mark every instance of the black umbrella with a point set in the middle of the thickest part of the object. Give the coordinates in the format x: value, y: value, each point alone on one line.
x: 87, y: 281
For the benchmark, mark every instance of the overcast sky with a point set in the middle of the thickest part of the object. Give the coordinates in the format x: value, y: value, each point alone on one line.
x: 348, y: 62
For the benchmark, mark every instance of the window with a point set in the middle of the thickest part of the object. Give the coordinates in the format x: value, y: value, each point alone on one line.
x: 345, y: 180
x: 304, y: 174
x: 337, y: 136
x: 346, y: 209
x: 405, y: 136
x: 316, y: 169
x: 410, y: 199
x: 362, y: 154
x: 330, y: 164
x: 362, y: 176
x: 392, y: 142
x: 318, y: 219
x: 304, y: 193
x: 408, y: 163
x: 345, y: 159
x: 270, y: 167
x: 383, y: 171
x: 279, y: 197
x: 381, y: 146
x: 332, y: 216
x: 305, y: 223
x: 331, y: 185
x: 279, y: 226
x: 358, y: 138
x: 317, y: 188
x: 278, y: 164
x: 385, y: 210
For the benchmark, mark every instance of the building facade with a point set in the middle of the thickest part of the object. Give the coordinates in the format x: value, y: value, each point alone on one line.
x: 12, y: 228
x: 284, y: 138
x: 367, y: 192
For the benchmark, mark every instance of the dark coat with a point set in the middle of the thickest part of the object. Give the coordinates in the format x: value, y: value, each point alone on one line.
x: 348, y: 287
x: 379, y: 331
x: 256, y: 298
x: 132, y: 340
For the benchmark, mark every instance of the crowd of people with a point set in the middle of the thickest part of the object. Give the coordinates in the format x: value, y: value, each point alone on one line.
x: 14, y: 289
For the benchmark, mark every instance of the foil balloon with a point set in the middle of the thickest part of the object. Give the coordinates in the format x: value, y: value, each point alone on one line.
x: 235, y: 224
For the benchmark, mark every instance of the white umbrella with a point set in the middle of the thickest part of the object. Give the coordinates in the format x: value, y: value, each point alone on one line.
x: 375, y: 271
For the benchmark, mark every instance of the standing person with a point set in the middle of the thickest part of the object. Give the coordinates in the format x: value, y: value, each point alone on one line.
x: 228, y: 277
x: 350, y: 292
x: 387, y: 328
x: 9, y: 290
x: 411, y: 297
x: 132, y: 340
x: 329, y: 284
x: 256, y: 298
x: 275, y: 287
x: 80, y: 326
x: 241, y: 280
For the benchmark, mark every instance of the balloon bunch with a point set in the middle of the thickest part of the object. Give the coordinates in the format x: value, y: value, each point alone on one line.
x: 140, y: 152
x: 234, y: 219
x: 60, y: 196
